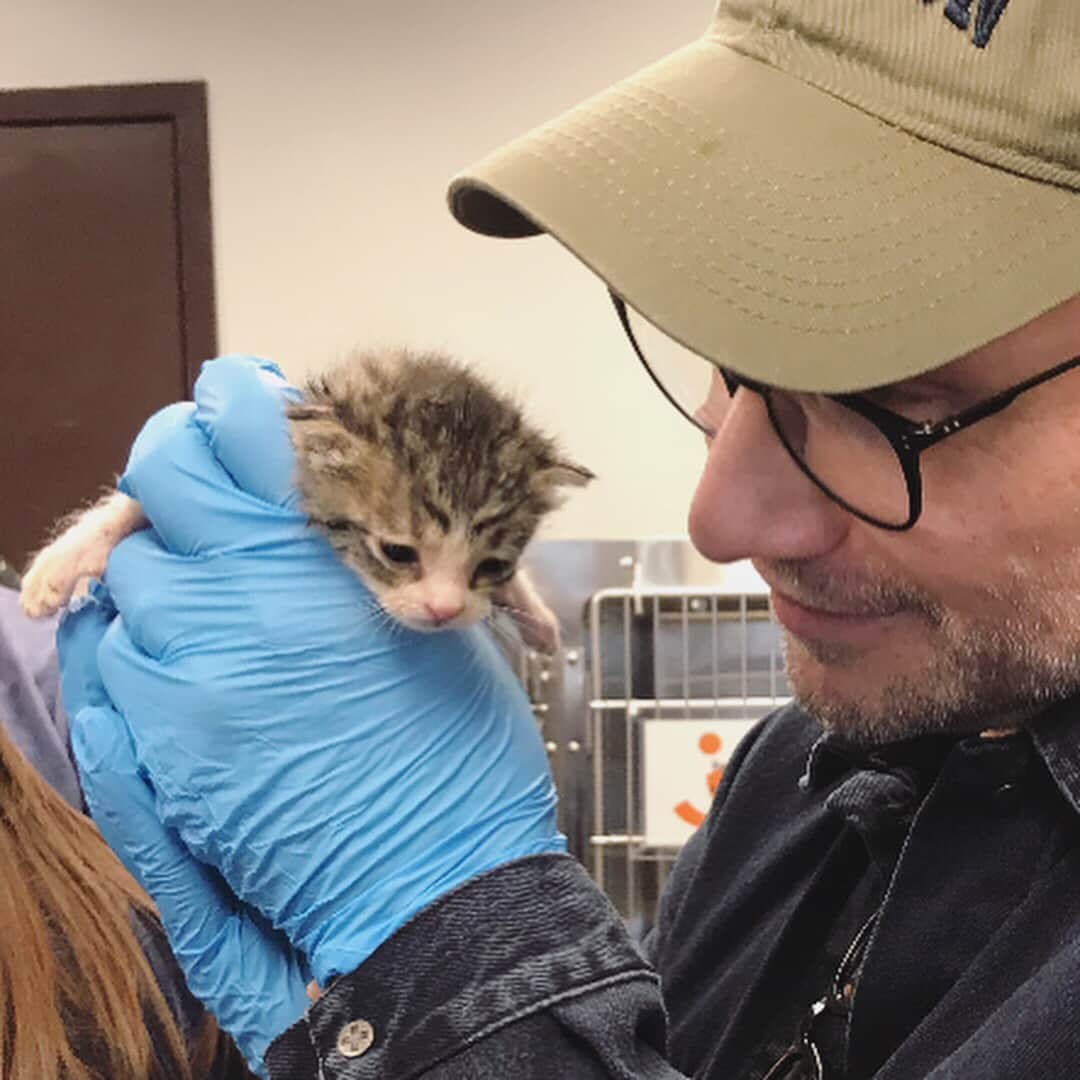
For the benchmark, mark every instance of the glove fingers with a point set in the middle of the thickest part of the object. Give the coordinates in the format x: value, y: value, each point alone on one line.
x: 166, y: 600
x: 189, y: 496
x: 82, y: 626
x: 193, y: 900
x: 244, y: 970
x: 240, y: 405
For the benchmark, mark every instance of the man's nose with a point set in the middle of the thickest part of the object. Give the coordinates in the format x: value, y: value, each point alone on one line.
x: 753, y: 500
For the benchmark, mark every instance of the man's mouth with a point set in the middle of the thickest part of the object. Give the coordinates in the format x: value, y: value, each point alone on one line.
x: 810, y: 613
x: 833, y: 623
x: 830, y: 610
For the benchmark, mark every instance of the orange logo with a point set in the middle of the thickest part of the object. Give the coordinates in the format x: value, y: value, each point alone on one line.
x: 710, y: 744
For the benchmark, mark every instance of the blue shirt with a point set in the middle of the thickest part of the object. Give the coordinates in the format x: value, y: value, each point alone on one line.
x: 30, y: 707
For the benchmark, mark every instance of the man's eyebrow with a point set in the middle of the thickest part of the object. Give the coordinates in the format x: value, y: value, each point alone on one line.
x: 963, y: 375
x: 925, y: 381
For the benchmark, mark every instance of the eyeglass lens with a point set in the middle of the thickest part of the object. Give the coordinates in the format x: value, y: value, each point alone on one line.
x: 844, y: 452
x: 847, y: 454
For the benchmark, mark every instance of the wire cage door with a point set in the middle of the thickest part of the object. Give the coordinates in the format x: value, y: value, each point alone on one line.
x: 677, y: 676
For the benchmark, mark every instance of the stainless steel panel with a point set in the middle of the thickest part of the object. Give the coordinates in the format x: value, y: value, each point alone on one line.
x: 651, y: 630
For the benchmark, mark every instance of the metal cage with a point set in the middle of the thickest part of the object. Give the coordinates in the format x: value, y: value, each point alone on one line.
x: 652, y: 633
x: 664, y: 654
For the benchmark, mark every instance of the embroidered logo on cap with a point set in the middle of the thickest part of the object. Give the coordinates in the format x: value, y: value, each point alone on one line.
x: 958, y: 12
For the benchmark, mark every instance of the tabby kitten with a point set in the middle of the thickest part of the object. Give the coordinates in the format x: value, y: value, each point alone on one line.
x: 426, y: 480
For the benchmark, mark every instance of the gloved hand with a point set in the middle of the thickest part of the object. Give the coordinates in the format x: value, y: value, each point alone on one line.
x: 233, y: 960
x: 339, y: 770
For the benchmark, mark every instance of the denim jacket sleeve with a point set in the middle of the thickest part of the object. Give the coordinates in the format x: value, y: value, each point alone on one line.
x: 525, y: 971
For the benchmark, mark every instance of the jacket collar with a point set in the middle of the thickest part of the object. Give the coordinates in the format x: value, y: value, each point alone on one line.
x: 1055, y: 735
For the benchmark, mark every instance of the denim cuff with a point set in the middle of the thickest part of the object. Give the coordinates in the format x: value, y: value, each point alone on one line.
x: 503, y: 946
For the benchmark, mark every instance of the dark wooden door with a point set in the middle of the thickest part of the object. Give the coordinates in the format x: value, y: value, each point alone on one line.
x: 106, y: 286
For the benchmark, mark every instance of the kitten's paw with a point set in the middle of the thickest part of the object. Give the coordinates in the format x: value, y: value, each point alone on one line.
x: 536, y: 622
x: 539, y: 627
x: 55, y: 573
x: 79, y: 553
x: 41, y: 592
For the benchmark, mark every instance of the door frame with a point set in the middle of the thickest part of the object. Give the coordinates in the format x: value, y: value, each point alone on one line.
x: 183, y: 105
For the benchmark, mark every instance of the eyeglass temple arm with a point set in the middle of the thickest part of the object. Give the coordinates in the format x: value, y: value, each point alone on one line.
x: 926, y: 435
x: 624, y: 318
x: 918, y: 436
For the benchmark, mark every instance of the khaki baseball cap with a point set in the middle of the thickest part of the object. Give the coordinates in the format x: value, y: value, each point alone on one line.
x: 821, y: 194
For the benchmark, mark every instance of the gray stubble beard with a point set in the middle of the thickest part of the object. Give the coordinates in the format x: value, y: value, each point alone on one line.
x: 980, y: 678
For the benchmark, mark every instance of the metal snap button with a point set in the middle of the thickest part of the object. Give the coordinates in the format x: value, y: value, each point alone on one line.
x: 355, y: 1039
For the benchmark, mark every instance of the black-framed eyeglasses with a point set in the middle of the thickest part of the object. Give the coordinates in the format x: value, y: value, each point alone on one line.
x: 860, y: 454
x: 803, y: 1059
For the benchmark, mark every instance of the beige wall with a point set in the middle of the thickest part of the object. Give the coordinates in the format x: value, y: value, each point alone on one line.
x: 334, y: 127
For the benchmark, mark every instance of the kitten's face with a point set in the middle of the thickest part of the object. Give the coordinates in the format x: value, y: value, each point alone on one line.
x: 427, y: 483
x: 426, y: 576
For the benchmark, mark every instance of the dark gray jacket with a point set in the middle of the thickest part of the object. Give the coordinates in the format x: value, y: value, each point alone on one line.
x: 967, y: 850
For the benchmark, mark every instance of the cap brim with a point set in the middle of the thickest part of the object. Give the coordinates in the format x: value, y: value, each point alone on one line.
x: 779, y: 231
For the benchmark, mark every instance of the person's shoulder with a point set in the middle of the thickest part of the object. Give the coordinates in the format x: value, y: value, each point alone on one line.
x: 31, y: 712
x: 31, y: 640
x: 213, y: 1055
x: 186, y: 1010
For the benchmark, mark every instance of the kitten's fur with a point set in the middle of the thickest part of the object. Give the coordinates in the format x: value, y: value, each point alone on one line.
x: 427, y: 481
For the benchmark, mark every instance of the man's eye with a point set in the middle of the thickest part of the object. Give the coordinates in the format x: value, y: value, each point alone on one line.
x: 401, y: 554
x: 494, y: 569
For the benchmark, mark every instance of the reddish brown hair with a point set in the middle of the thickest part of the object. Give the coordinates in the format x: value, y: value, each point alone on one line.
x: 76, y: 989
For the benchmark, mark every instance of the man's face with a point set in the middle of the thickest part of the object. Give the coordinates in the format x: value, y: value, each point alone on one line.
x: 971, y: 619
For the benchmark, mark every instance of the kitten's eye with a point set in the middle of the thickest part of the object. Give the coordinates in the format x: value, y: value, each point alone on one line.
x: 494, y: 569
x: 339, y: 524
x: 401, y: 554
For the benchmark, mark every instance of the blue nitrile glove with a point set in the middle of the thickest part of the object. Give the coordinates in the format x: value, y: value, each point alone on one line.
x: 244, y: 969
x: 339, y: 770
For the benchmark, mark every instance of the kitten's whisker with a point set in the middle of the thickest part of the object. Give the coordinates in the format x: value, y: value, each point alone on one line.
x: 521, y: 614
x: 505, y: 634
x: 390, y: 620
x: 497, y: 605
x: 381, y: 618
x: 509, y: 634
x: 377, y: 613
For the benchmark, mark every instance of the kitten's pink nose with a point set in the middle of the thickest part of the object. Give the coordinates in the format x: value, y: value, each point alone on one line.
x: 443, y: 610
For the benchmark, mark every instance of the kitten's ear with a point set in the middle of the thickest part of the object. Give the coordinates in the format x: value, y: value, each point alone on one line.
x: 566, y: 474
x: 319, y: 439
